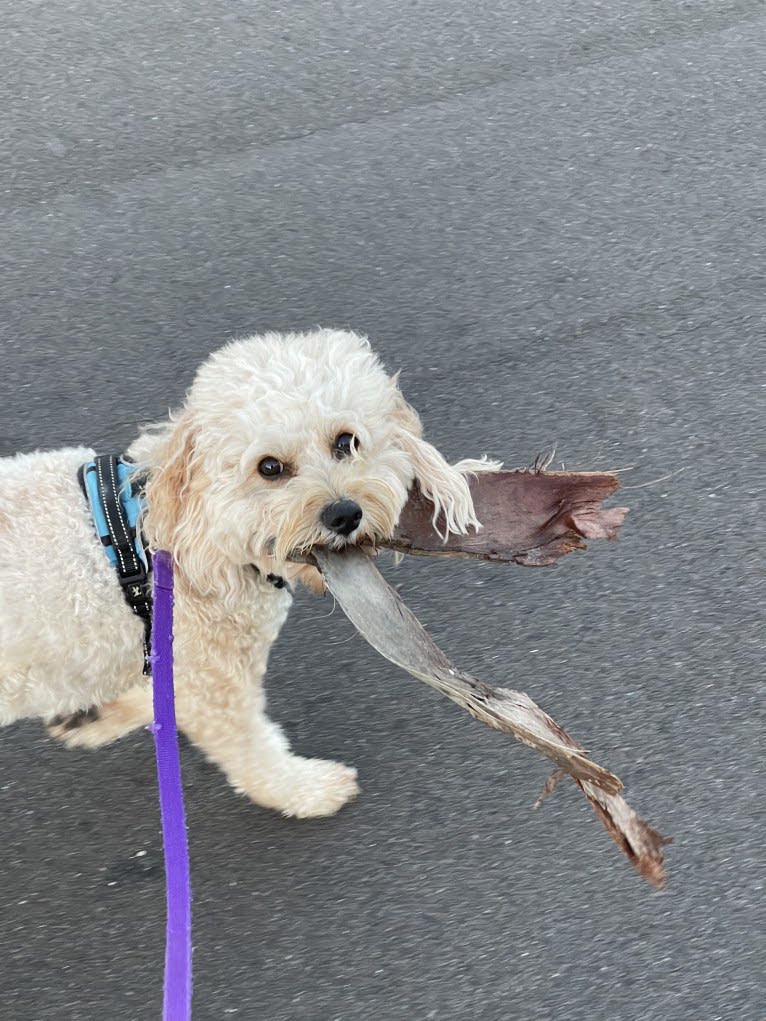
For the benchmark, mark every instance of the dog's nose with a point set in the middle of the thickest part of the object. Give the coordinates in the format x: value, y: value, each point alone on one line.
x: 342, y: 516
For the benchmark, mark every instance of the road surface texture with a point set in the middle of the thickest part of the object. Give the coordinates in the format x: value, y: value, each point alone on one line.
x: 552, y: 217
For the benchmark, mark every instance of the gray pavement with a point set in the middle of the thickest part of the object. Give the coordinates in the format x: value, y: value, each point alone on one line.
x: 552, y: 217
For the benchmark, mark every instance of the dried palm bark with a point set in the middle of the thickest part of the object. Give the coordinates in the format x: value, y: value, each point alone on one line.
x: 529, y: 518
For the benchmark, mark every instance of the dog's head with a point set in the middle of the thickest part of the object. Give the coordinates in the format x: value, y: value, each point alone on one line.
x: 287, y: 442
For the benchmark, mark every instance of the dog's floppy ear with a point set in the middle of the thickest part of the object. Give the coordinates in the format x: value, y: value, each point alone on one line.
x: 445, y: 485
x: 171, y: 469
x: 175, y: 516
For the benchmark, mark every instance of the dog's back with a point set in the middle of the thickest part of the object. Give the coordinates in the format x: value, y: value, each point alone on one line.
x: 58, y: 593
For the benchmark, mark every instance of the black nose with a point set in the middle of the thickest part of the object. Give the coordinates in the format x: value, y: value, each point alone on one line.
x: 342, y: 516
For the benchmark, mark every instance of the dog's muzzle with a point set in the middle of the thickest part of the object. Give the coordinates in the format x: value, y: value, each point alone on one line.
x: 341, y: 517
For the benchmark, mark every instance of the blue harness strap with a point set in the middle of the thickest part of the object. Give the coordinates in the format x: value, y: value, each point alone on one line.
x: 115, y: 503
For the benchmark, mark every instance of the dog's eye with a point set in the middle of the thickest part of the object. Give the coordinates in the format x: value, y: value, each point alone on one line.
x: 345, y: 445
x: 270, y: 468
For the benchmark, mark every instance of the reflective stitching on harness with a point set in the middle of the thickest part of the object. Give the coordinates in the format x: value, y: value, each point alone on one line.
x: 116, y: 507
x: 116, y: 548
x: 123, y: 524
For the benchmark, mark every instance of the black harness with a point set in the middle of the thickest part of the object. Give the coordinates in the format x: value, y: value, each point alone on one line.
x: 114, y: 494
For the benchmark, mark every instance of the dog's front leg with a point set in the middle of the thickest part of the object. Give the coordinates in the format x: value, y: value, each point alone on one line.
x: 225, y: 716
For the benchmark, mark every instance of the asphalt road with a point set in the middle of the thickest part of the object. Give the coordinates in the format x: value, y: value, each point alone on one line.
x: 551, y: 217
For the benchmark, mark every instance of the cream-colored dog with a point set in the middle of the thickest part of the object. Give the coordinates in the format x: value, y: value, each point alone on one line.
x: 284, y: 443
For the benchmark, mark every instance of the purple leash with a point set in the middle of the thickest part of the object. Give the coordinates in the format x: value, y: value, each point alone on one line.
x: 178, y: 947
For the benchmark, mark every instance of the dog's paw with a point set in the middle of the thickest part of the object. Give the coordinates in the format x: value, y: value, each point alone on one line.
x: 88, y: 728
x: 311, y: 788
x: 69, y: 727
x: 321, y: 788
x: 59, y: 726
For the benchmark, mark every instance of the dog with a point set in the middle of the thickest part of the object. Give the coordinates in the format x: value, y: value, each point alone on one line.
x: 284, y: 442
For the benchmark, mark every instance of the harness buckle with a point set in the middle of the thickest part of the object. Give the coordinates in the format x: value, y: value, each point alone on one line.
x: 134, y: 580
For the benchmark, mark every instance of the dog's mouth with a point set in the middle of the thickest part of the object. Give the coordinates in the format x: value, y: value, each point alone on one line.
x: 333, y: 543
x: 303, y: 553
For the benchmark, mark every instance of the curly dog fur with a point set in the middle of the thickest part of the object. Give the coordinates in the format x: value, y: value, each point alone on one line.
x: 277, y: 434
